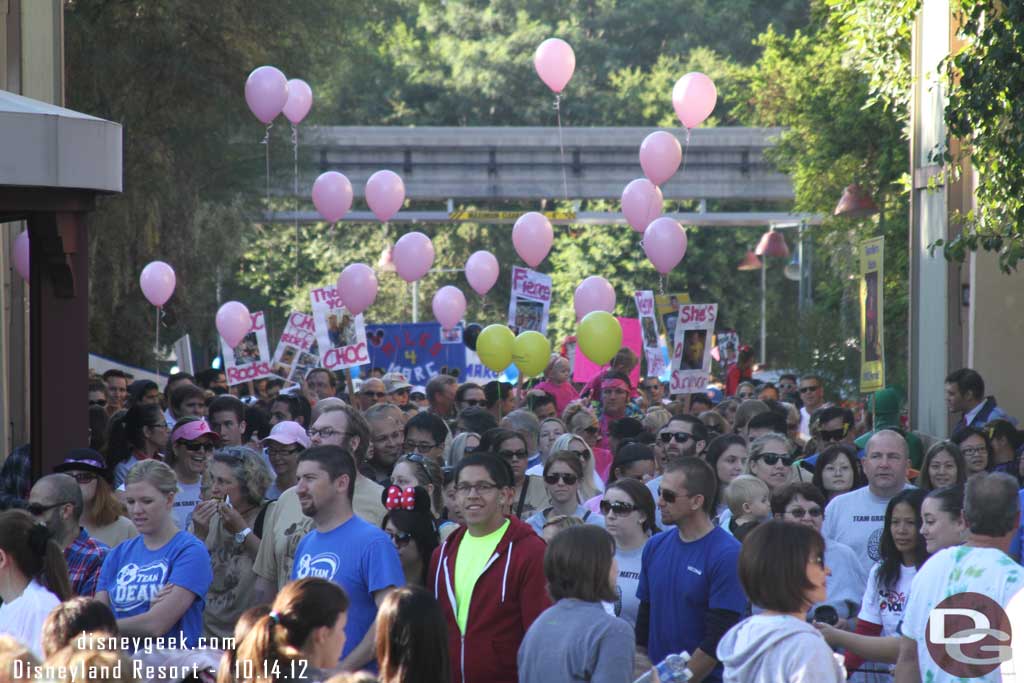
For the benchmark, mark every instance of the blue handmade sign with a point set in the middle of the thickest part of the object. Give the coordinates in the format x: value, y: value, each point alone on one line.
x: 417, y: 350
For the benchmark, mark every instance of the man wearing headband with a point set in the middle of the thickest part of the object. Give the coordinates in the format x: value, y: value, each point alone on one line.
x: 615, y: 403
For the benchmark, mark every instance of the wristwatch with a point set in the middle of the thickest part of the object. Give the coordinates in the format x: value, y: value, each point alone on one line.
x: 242, y: 535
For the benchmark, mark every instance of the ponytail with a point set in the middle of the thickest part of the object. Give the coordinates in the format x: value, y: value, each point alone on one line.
x: 35, y: 552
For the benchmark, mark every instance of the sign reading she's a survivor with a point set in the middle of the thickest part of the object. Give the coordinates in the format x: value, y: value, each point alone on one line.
x: 691, y: 353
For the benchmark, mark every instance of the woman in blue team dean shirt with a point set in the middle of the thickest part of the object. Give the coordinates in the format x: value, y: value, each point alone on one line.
x: 161, y: 556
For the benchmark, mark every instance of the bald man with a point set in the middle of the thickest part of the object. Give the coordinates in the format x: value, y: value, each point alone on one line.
x: 56, y: 501
x: 856, y: 518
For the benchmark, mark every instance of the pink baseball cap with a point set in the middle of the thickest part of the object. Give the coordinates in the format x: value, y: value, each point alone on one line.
x: 287, y: 433
x: 193, y: 430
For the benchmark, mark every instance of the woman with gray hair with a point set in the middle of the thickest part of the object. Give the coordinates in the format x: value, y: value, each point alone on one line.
x: 230, y: 522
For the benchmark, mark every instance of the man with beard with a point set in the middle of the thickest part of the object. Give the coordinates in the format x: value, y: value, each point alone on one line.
x: 344, y: 549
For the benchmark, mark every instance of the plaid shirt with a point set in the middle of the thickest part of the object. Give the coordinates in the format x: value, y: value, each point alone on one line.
x: 85, y: 559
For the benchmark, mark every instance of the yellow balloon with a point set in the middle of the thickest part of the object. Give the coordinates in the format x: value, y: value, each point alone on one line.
x: 599, y: 336
x: 531, y: 352
x: 494, y: 346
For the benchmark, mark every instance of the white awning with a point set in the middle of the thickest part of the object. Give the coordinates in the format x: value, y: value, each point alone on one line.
x: 42, y: 145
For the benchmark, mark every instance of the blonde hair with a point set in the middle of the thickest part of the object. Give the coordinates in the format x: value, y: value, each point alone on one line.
x: 656, y: 418
x: 555, y: 357
x: 563, y: 522
x: 574, y: 410
x: 743, y: 489
x: 588, y: 485
x: 10, y: 652
x: 757, y: 447
x: 82, y: 655
x: 155, y: 473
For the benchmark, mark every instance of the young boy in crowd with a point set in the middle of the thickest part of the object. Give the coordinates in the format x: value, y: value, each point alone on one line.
x: 747, y: 498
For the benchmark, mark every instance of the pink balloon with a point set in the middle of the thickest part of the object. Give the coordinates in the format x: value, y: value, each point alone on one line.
x: 555, y: 63
x: 385, y: 193
x: 157, y: 281
x: 660, y: 156
x: 21, y: 254
x: 300, y: 100
x: 482, y: 271
x: 665, y: 244
x: 357, y: 287
x: 641, y: 203
x: 594, y: 294
x: 532, y: 236
x: 332, y: 195
x: 413, y: 256
x: 233, y: 322
x: 449, y: 306
x: 693, y: 97
x: 266, y: 92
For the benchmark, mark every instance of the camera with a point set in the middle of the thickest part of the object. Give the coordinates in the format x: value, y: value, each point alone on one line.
x: 826, y: 614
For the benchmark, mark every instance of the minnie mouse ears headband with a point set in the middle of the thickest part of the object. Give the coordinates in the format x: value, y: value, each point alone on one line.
x: 411, y: 498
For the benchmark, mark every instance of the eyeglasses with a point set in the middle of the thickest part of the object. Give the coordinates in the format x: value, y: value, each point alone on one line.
x: 514, y: 455
x: 619, y: 508
x: 832, y: 434
x: 772, y: 459
x: 480, y: 488
x: 36, y: 509
x: 815, y: 387
x: 83, y: 477
x: 974, y: 450
x: 101, y: 402
x: 374, y: 394
x: 680, y: 437
x: 798, y: 513
x: 196, y: 447
x: 568, y: 479
x: 326, y: 433
x: 473, y: 402
x: 419, y: 445
x: 400, y: 539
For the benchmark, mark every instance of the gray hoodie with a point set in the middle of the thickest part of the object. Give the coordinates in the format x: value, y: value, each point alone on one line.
x: 777, y: 649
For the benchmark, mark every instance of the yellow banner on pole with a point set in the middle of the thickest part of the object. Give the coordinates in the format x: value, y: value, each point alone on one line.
x: 480, y: 215
x: 872, y: 319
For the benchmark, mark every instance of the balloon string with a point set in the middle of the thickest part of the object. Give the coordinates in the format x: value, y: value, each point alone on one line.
x: 295, y: 180
x: 686, y: 150
x: 156, y: 344
x: 661, y: 284
x: 561, y: 147
x: 266, y: 141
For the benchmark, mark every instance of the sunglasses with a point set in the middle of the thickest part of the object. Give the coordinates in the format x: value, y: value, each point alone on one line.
x: 205, y: 446
x: 101, y: 402
x: 771, y: 459
x: 746, y: 394
x: 832, y: 434
x: 680, y: 437
x: 667, y: 495
x: 798, y: 513
x: 618, y: 508
x: 83, y: 477
x: 36, y: 509
x: 804, y: 390
x: 568, y: 479
x: 400, y: 539
x: 514, y: 455
x: 473, y: 402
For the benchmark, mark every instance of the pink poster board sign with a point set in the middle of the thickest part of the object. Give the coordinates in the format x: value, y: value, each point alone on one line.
x: 585, y: 369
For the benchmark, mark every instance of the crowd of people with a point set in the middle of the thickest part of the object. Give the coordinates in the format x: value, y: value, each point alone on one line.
x: 458, y: 533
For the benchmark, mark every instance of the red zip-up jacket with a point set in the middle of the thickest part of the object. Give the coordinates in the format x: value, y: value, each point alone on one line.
x: 510, y: 593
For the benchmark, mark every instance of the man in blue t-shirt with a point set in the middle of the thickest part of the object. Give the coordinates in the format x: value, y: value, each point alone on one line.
x: 689, y: 590
x: 343, y: 548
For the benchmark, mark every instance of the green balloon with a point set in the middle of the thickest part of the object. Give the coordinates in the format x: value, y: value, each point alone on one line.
x: 531, y: 352
x: 599, y: 336
x: 494, y: 346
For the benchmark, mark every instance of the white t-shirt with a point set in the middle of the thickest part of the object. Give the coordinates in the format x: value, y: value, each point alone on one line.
x: 856, y: 519
x: 185, y: 502
x: 884, y: 606
x: 960, y: 569
x: 628, y: 604
x: 23, y: 618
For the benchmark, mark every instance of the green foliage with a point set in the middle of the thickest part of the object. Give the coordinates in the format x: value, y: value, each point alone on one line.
x: 985, y: 78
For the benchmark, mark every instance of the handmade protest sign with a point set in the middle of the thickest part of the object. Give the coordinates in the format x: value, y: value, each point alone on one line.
x: 340, y: 336
x: 649, y: 329
x: 666, y: 306
x: 691, y: 355
x: 296, y: 352
x: 417, y: 350
x: 251, y: 358
x: 530, y: 304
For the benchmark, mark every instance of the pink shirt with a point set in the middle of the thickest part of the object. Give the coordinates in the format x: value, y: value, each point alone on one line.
x: 564, y: 393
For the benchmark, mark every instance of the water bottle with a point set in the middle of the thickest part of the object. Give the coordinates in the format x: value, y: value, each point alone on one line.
x: 672, y: 670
